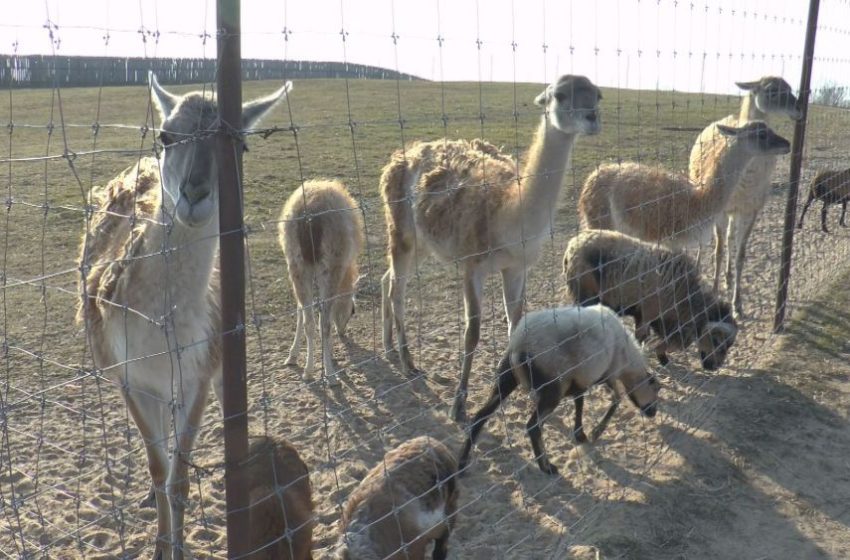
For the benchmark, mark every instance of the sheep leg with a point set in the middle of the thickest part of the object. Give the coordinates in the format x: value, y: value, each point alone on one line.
x: 513, y: 294
x: 505, y: 385
x: 597, y: 431
x: 473, y: 285
x: 823, y: 218
x: 547, y: 401
x: 809, y: 201
x: 578, y: 432
x: 742, y: 236
x: 843, y: 212
x: 151, y: 417
x: 441, y: 546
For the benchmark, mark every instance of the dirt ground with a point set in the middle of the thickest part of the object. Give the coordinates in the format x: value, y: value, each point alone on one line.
x: 748, y: 462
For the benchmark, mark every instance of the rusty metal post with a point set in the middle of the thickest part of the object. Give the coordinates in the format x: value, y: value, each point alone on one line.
x: 796, y: 164
x: 232, y: 266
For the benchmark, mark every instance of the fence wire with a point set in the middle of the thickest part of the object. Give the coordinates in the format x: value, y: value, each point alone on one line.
x: 74, y: 477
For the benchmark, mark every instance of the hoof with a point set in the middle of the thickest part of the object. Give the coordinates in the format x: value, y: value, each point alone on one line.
x: 548, y: 468
x: 458, y: 412
x: 663, y: 359
x: 149, y: 501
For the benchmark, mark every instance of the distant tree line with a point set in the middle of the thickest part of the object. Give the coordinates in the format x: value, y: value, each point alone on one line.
x: 36, y: 71
x: 832, y: 95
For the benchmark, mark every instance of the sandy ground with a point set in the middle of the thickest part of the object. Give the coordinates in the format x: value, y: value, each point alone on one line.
x: 749, y: 462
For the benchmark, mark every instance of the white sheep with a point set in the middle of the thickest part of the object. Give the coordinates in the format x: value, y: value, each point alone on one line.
x: 468, y: 203
x: 281, y: 506
x: 660, y: 288
x: 768, y: 96
x: 321, y: 234
x: 654, y: 204
x: 408, y: 500
x: 563, y: 352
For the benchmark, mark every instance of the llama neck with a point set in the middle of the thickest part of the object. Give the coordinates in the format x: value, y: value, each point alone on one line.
x: 721, y: 182
x: 179, y: 266
x: 543, y: 175
x: 749, y: 111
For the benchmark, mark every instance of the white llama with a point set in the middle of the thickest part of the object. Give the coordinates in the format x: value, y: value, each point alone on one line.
x: 464, y: 202
x: 765, y: 97
x: 151, y: 291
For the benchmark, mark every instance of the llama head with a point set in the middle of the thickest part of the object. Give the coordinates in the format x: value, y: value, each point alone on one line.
x: 344, y: 305
x: 773, y: 95
x: 572, y: 105
x: 187, y: 133
x: 757, y: 138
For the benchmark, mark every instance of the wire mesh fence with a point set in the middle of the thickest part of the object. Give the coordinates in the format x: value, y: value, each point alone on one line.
x: 110, y: 316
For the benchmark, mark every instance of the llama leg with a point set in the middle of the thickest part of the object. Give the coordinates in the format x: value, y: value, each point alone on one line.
x: 505, y: 385
x: 401, y: 264
x: 387, y: 311
x: 805, y: 207
x: 150, y: 414
x: 192, y: 399
x: 292, y: 359
x: 718, y: 254
x: 513, y: 294
x: 547, y: 401
x: 823, y: 217
x: 742, y: 235
x: 731, y: 233
x: 327, y: 348
x: 843, y: 212
x: 473, y: 284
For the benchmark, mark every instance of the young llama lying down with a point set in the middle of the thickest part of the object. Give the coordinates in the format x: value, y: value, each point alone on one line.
x: 463, y: 202
x: 654, y: 204
x: 321, y: 234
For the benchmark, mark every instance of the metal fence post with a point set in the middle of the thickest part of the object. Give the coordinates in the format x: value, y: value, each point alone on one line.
x: 232, y: 266
x: 796, y: 164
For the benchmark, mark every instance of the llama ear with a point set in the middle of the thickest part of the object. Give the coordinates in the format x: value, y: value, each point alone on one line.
x: 165, y: 102
x: 748, y: 86
x: 727, y: 130
x: 543, y: 98
x: 254, y: 111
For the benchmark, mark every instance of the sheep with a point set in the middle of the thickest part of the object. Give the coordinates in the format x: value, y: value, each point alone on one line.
x: 404, y: 503
x: 768, y: 96
x: 659, y: 288
x: 564, y: 352
x: 468, y: 203
x: 281, y: 510
x: 830, y: 187
x: 321, y: 234
x: 654, y: 204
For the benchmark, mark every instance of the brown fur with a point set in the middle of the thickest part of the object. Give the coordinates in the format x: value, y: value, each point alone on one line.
x: 658, y: 287
x: 281, y: 501
x: 321, y: 234
x: 383, y: 512
x: 830, y: 187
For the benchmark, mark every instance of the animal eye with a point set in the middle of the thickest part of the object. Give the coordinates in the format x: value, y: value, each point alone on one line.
x: 165, y: 138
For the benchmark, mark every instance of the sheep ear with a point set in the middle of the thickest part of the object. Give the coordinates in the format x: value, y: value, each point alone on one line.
x: 543, y: 98
x: 727, y: 130
x: 165, y: 102
x: 254, y: 111
x: 748, y: 86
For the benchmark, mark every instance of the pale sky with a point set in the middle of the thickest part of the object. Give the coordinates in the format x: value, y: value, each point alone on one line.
x: 647, y: 44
